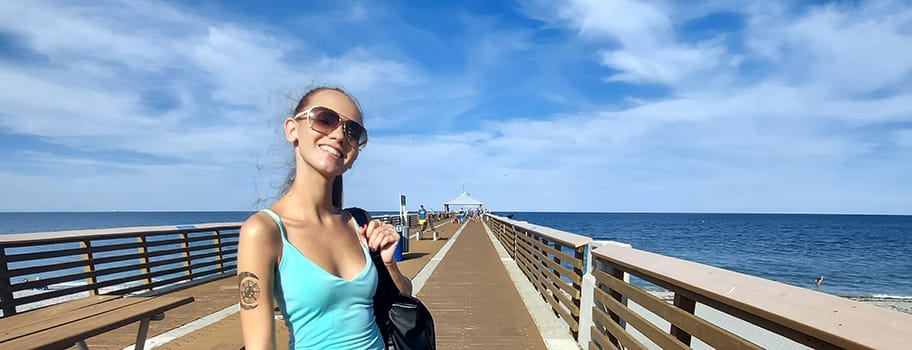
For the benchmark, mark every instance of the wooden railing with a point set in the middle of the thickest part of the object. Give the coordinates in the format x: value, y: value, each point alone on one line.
x: 552, y: 260
x: 412, y: 219
x: 766, y: 314
x: 708, y: 307
x: 393, y: 219
x: 49, y: 267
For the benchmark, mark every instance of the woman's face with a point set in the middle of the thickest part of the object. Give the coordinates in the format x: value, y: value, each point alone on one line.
x: 329, y: 152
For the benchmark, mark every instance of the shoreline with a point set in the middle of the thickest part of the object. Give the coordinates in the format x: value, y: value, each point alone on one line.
x: 899, y: 304
x: 758, y: 335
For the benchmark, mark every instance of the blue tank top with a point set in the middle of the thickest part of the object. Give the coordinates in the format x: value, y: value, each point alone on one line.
x: 321, y: 310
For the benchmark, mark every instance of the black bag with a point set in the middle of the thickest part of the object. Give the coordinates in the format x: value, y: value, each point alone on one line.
x: 406, y: 324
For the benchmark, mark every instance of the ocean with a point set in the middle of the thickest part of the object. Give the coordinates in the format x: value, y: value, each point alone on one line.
x: 859, y: 255
x: 65, y: 221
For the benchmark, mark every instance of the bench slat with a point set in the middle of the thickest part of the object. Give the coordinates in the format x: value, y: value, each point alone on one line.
x: 86, y: 322
x: 63, y: 318
x: 17, y: 325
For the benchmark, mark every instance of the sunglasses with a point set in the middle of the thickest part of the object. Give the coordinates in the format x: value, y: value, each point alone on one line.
x: 324, y: 120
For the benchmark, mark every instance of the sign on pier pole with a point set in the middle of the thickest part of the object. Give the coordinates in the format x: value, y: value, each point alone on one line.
x: 403, y: 212
x: 403, y: 228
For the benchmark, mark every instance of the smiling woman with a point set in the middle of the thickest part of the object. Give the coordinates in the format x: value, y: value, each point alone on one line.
x: 325, y: 120
x: 305, y: 250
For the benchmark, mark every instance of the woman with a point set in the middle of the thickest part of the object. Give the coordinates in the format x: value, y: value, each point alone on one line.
x: 308, y: 253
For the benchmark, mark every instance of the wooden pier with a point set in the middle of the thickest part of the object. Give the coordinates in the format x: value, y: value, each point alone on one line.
x: 470, y: 294
x: 496, y: 284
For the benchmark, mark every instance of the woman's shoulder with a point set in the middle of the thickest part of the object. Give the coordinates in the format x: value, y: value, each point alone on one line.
x: 260, y: 227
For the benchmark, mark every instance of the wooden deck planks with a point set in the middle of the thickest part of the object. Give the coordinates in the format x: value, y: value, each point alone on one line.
x: 473, y: 300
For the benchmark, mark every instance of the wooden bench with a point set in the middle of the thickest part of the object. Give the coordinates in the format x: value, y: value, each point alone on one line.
x: 67, y: 324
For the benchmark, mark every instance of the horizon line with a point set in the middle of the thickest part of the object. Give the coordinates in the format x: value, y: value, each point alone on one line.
x: 493, y: 211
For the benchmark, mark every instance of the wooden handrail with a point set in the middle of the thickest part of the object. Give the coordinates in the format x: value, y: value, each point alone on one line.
x: 111, y: 261
x: 120, y: 260
x: 566, y: 238
x: 29, y: 239
x: 551, y: 259
x: 801, y: 316
x: 805, y: 316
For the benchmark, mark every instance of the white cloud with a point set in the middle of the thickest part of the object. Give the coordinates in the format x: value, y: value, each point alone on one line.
x: 790, y: 139
x: 137, y: 35
x: 37, y: 104
x: 73, y: 183
x: 799, y: 111
x: 230, y: 85
x: 641, y: 40
x: 631, y: 23
x: 840, y: 48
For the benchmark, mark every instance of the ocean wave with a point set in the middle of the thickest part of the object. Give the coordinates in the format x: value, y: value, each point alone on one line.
x: 892, y: 297
x: 667, y: 295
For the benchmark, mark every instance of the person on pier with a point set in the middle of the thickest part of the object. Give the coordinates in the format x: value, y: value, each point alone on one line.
x: 305, y: 250
x: 425, y: 223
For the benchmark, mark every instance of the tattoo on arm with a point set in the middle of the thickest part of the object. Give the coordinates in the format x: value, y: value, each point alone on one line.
x: 248, y: 284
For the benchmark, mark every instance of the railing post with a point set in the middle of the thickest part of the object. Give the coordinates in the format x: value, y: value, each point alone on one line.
x: 617, y: 273
x: 579, y: 254
x: 144, y: 259
x: 688, y: 305
x: 92, y: 280
x: 556, y: 259
x: 587, y: 300
x: 6, y: 290
x: 218, y: 249
x: 505, y: 238
x: 513, y: 240
x: 186, y: 246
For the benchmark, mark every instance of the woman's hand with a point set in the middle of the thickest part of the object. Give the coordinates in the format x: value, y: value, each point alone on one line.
x: 382, y: 237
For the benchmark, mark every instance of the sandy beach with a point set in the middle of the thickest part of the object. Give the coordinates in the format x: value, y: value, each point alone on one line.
x: 898, y: 304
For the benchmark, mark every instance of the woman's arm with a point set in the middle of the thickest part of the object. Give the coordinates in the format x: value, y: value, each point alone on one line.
x: 402, y: 282
x: 387, y: 245
x: 258, y: 249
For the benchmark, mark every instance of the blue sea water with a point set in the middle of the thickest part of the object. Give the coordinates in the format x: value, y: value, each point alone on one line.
x: 65, y: 221
x: 859, y: 255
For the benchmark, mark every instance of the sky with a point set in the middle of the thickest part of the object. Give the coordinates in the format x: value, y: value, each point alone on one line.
x: 543, y: 105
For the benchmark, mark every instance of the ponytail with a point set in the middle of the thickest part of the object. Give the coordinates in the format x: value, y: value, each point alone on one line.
x: 337, y: 192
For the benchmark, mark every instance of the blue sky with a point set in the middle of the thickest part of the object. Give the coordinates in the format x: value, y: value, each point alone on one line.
x: 590, y: 105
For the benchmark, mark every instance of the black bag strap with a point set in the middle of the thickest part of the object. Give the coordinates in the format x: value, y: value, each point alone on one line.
x: 386, y: 288
x: 360, y: 215
x: 385, y: 284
